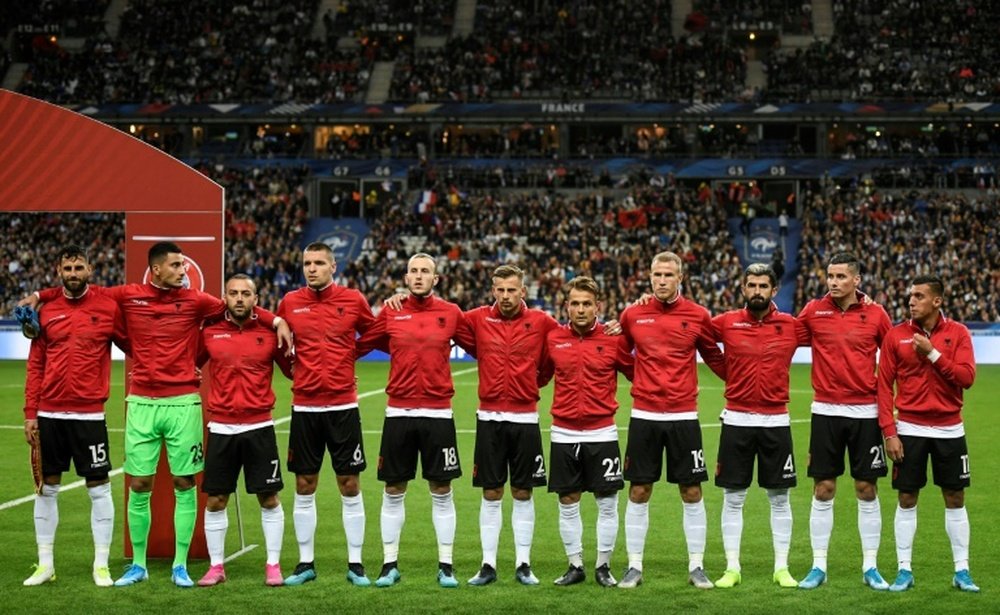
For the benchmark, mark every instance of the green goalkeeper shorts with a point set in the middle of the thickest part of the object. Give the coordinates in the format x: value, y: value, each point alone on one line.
x: 172, y: 421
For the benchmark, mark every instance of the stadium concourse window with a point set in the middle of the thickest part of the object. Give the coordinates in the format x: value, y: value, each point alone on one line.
x: 520, y: 140
x: 643, y: 140
x: 217, y: 139
x: 360, y: 141
x: 166, y: 137
x: 269, y: 140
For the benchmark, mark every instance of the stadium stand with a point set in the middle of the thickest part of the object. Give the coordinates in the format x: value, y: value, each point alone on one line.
x: 920, y: 50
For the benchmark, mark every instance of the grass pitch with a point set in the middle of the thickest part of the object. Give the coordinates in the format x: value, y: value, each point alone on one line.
x: 665, y: 586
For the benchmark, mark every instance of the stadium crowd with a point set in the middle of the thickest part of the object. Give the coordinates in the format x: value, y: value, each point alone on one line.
x: 358, y: 18
x: 557, y: 235
x: 263, y: 50
x: 897, y: 238
x: 921, y: 50
x: 530, y: 49
x: 209, y: 52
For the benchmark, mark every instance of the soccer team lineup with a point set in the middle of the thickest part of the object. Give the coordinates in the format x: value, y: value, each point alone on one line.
x: 887, y: 404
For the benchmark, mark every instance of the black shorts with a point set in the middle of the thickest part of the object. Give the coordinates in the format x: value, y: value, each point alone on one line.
x: 501, y: 445
x: 586, y: 466
x: 256, y: 452
x: 685, y: 454
x: 314, y: 433
x: 949, y: 462
x: 830, y: 436
x: 85, y: 442
x: 771, y: 446
x: 403, y: 438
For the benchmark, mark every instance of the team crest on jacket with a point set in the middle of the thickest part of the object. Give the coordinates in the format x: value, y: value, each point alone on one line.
x: 778, y: 329
x: 527, y: 326
x: 441, y: 321
x: 260, y: 340
x: 93, y: 320
x: 947, y: 341
x: 864, y: 317
x: 340, y: 311
x: 600, y: 349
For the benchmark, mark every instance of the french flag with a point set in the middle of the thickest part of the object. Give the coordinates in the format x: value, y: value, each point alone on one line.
x: 428, y: 198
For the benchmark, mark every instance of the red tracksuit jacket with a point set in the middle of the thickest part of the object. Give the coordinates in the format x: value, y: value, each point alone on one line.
x: 844, y: 343
x: 926, y: 393
x: 325, y: 324
x: 241, y: 369
x: 509, y: 351
x: 665, y: 337
x: 163, y: 325
x: 758, y: 356
x: 418, y: 338
x: 586, y: 369
x: 69, y: 365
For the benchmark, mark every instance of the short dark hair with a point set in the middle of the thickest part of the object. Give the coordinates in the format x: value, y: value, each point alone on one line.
x: 159, y: 250
x: 846, y: 258
x: 242, y: 276
x: 319, y: 246
x: 585, y: 284
x: 72, y: 251
x: 935, y: 283
x: 761, y: 269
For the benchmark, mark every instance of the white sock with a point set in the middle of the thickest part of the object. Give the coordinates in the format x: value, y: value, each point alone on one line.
x: 636, y: 527
x: 906, y: 529
x: 102, y: 522
x: 392, y: 517
x: 732, y: 525
x: 607, y: 528
x: 304, y: 519
x: 820, y: 527
x: 443, y: 516
x: 956, y: 523
x: 870, y: 529
x: 781, y: 526
x: 352, y: 511
x: 571, y: 531
x: 695, y: 531
x: 216, y: 525
x: 46, y: 522
x: 490, y: 522
x: 522, y: 517
x: 272, y: 521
